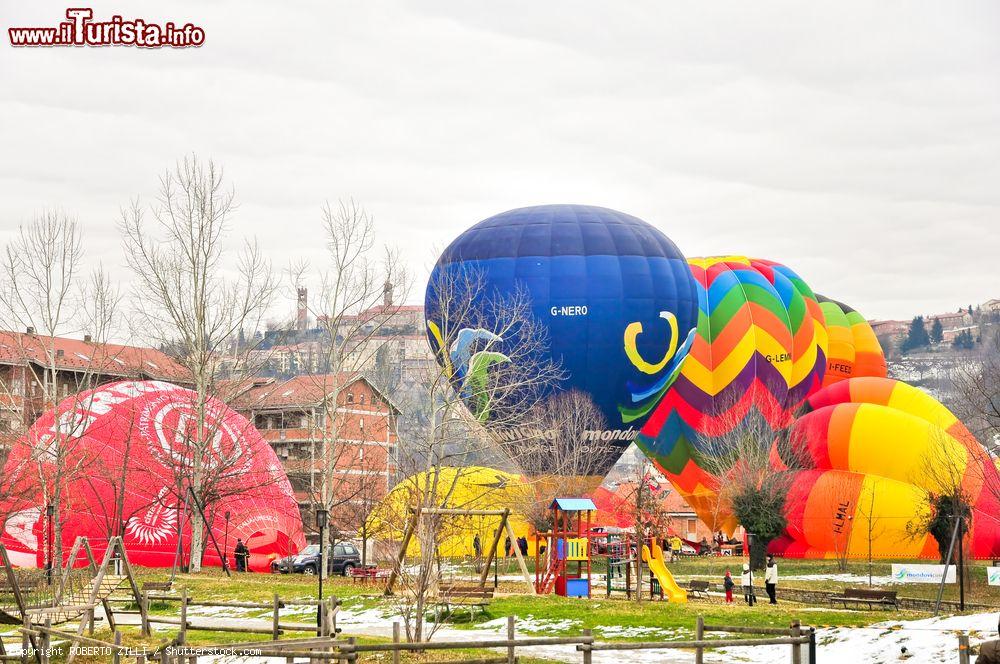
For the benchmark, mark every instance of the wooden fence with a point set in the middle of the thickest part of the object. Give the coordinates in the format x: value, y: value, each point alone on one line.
x: 328, y: 648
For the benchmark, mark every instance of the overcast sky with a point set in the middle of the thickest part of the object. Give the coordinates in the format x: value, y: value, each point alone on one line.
x: 857, y: 143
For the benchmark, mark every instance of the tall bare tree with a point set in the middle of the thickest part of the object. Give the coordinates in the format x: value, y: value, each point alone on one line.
x: 194, y: 297
x: 870, y: 522
x: 750, y: 488
x: 360, y: 287
x: 943, y: 472
x: 977, y: 383
x: 493, y: 370
x: 46, y: 291
x: 561, y: 452
x: 650, y: 519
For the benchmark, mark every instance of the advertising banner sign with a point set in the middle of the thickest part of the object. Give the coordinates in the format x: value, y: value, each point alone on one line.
x: 922, y: 574
x: 993, y: 576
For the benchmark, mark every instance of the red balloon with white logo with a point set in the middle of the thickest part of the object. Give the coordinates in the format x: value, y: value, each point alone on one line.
x: 124, y: 455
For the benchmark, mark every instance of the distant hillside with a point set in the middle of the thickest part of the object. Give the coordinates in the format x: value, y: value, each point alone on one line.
x: 931, y: 365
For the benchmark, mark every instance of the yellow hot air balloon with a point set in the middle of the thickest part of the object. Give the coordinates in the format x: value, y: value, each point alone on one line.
x: 468, y: 488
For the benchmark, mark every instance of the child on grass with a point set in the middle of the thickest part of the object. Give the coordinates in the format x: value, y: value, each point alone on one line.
x: 728, y: 584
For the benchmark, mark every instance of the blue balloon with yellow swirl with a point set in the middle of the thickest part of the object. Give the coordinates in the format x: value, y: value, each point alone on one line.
x: 615, y: 294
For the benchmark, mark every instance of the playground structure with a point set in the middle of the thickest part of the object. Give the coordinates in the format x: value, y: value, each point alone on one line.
x: 568, y: 542
x: 652, y: 555
x: 623, y: 557
x: 572, y: 548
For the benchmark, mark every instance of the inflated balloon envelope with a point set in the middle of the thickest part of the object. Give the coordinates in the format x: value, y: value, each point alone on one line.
x: 613, y: 293
x: 759, y: 350
x: 878, y: 448
x: 126, y: 445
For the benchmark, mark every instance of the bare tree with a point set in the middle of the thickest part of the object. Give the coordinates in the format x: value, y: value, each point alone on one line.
x: 493, y: 370
x: 942, y: 472
x: 977, y: 383
x: 46, y: 292
x: 646, y: 511
x: 870, y: 521
x: 750, y: 488
x: 196, y: 303
x: 360, y: 286
x: 843, y: 519
x: 561, y: 452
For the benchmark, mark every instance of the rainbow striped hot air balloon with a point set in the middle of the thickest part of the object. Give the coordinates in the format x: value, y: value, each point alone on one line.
x: 760, y: 349
x: 854, y: 350
x: 874, y: 448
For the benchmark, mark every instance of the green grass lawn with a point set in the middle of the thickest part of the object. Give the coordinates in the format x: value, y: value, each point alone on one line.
x: 611, y: 619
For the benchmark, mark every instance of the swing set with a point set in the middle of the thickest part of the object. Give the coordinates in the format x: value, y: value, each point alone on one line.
x: 504, y: 528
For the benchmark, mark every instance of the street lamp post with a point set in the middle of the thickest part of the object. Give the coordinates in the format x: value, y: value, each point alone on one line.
x: 50, y: 513
x: 225, y: 547
x: 322, y: 518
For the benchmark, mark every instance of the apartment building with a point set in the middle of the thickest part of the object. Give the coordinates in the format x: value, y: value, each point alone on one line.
x: 350, y: 445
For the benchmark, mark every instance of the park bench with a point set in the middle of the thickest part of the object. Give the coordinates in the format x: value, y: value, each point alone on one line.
x: 369, y: 574
x: 698, y: 589
x: 872, y: 598
x: 156, y: 586
x: 467, y: 596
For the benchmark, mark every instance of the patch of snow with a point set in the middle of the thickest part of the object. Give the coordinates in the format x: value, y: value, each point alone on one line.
x: 628, y: 632
x: 841, y: 578
x: 531, y: 625
x: 928, y: 641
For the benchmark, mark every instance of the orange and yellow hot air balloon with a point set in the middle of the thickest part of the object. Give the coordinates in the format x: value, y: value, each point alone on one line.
x: 873, y: 450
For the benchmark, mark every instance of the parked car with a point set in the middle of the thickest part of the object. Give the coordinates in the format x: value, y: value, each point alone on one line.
x: 341, y: 558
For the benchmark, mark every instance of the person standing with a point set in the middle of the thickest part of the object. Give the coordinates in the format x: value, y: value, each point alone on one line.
x: 242, y: 554
x: 675, y: 547
x: 771, y: 579
x: 728, y: 584
x: 746, y: 580
x: 477, y: 547
x: 989, y: 652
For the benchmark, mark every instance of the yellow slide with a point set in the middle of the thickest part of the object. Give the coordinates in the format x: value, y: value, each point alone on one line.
x: 671, y: 590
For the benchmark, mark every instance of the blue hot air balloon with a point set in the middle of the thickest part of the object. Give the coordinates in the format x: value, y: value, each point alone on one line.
x: 615, y: 294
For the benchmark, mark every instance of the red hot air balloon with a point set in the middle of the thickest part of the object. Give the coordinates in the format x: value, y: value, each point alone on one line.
x: 127, y: 447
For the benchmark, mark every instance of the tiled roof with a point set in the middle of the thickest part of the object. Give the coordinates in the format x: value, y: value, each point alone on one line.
x: 19, y: 348
x: 297, y: 391
x: 574, y: 504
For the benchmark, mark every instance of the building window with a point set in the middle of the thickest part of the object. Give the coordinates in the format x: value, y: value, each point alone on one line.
x: 362, y: 397
x: 361, y: 423
x: 350, y: 397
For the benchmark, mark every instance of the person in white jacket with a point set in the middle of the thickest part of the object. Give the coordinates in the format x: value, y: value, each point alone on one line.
x: 746, y: 580
x: 771, y: 579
